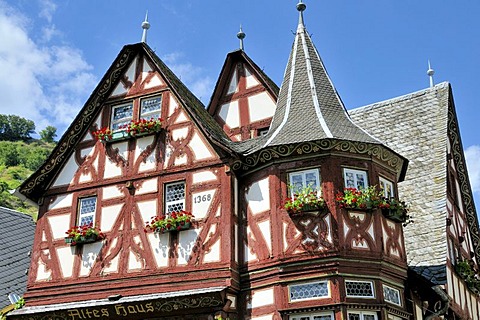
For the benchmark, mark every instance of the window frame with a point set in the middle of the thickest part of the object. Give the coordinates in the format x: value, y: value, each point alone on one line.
x: 122, y: 120
x: 79, y: 209
x: 355, y: 172
x: 397, y: 291
x: 383, y: 183
x: 361, y: 297
x: 297, y: 316
x: 137, y: 114
x: 148, y: 113
x: 326, y: 282
x: 362, y: 313
x: 166, y: 203
x: 292, y: 191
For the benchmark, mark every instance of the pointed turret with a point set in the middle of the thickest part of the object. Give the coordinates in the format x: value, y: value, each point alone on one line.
x: 308, y: 106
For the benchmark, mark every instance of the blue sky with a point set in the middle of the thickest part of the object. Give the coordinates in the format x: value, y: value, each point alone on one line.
x: 54, y: 52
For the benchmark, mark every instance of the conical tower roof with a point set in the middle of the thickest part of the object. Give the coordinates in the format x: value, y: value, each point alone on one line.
x: 309, y: 108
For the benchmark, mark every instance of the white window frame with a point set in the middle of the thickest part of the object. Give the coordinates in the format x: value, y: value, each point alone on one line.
x: 384, y: 185
x: 361, y: 297
x: 81, y: 215
x: 362, y: 314
x: 397, y: 293
x: 304, y: 173
x: 176, y: 202
x: 311, y: 315
x: 123, y: 121
x: 155, y: 114
x: 355, y: 172
x: 326, y: 282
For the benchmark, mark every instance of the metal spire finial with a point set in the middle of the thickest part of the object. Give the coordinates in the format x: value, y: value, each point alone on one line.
x: 430, y: 73
x: 145, y: 27
x: 301, y: 7
x: 241, y: 35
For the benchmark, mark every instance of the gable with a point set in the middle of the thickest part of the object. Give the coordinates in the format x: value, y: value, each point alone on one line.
x: 136, y: 74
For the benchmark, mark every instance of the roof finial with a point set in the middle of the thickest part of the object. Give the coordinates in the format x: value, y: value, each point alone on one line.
x: 241, y: 35
x: 145, y: 27
x: 430, y: 73
x: 301, y: 7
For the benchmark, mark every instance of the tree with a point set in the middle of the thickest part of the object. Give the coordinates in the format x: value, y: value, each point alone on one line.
x: 48, y: 134
x: 13, y: 128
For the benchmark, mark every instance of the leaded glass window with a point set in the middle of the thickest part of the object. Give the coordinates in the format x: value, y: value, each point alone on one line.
x: 387, y: 188
x: 361, y: 315
x: 302, y: 179
x: 121, y: 116
x: 308, y: 291
x: 359, y: 289
x: 391, y: 295
x: 312, y: 316
x: 86, y: 211
x: 150, y: 108
x: 174, y: 197
x: 355, y: 178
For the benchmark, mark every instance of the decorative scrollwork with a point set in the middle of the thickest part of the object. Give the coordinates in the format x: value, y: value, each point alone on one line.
x: 187, y: 303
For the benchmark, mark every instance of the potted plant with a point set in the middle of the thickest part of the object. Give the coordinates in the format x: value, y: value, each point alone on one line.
x: 305, y: 199
x: 144, y: 126
x: 466, y: 272
x: 394, y: 209
x: 103, y: 135
x: 83, y: 234
x: 175, y: 221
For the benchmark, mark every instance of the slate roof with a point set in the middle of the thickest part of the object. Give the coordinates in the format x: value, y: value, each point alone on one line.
x: 415, y: 126
x: 16, y: 239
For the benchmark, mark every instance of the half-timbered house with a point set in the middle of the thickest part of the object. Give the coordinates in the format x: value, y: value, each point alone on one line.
x: 270, y: 204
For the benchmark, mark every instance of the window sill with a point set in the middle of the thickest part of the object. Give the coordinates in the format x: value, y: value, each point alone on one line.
x: 83, y: 240
x: 124, y: 135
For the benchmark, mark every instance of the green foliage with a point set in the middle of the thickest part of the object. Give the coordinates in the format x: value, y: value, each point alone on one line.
x: 48, y: 134
x: 14, y: 128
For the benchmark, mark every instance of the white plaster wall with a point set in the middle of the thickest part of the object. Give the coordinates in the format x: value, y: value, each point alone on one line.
x: 261, y: 106
x: 109, y: 216
x: 260, y: 298
x: 251, y: 80
x: 67, y: 173
x: 62, y: 201
x: 232, y: 87
x: 201, y: 202
x: 66, y: 255
x: 200, y: 148
x: 180, y: 160
x: 111, y: 168
x: 203, y: 176
x: 264, y: 227
x: 186, y: 242
x: 159, y: 242
x: 258, y: 196
x: 89, y: 255
x: 86, y: 151
x: 148, y: 209
x: 249, y: 254
x: 130, y: 74
x: 172, y: 105
x: 147, y: 186
x: 236, y: 243
x: 111, y: 192
x: 230, y: 113
x: 179, y: 134
x: 213, y: 255
x: 42, y: 272
x: 134, y: 263
x: 142, y: 144
x: 112, y: 267
x: 59, y: 225
x: 182, y: 117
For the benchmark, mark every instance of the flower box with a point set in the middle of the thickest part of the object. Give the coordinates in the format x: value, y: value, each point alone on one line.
x: 83, y: 234
x: 398, y: 215
x: 175, y: 221
x: 144, y: 127
x: 305, y: 200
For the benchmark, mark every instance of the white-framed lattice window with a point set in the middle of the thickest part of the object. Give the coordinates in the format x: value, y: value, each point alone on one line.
x: 312, y: 316
x: 359, y: 289
x: 174, y: 197
x: 393, y: 317
x: 306, y: 291
x: 361, y: 315
x: 392, y: 295
x: 355, y: 178
x: 151, y: 107
x: 86, y: 210
x: 299, y: 180
x: 387, y: 187
x: 121, y: 116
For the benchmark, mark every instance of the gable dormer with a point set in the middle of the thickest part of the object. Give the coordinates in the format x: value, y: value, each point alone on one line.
x: 244, y: 98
